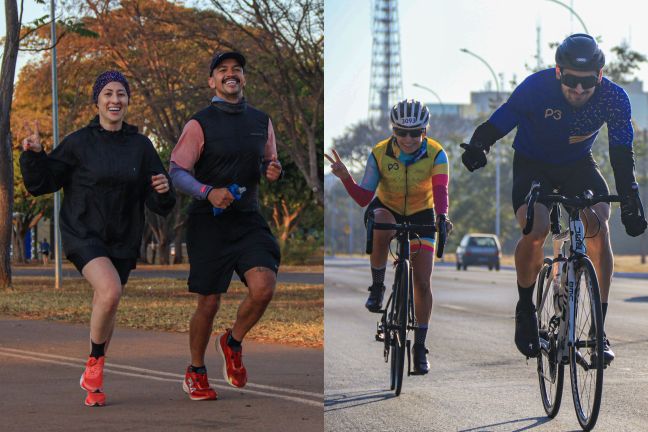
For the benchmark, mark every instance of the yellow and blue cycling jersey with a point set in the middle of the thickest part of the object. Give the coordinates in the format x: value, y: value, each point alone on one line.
x: 408, y: 183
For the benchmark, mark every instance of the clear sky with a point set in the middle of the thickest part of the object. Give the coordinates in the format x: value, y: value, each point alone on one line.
x: 503, y: 32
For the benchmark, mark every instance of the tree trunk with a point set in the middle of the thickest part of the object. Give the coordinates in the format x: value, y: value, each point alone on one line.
x: 19, y: 233
x: 7, y: 74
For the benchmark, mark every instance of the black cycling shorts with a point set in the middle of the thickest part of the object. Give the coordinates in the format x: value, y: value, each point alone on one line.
x: 425, y: 217
x: 566, y: 179
x: 81, y: 257
x: 220, y: 245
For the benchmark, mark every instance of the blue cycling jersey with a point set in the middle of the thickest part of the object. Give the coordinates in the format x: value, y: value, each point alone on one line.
x: 551, y: 130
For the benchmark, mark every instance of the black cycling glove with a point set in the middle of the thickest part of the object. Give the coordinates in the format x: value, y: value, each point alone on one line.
x: 474, y: 156
x: 632, y: 213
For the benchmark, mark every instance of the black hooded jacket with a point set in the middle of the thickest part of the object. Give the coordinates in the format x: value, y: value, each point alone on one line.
x: 106, y: 180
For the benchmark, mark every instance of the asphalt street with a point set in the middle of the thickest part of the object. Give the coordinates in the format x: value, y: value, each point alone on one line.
x: 41, y: 362
x: 478, y: 380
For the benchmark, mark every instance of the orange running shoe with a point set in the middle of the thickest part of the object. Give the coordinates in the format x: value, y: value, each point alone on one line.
x: 233, y: 370
x: 197, y: 386
x: 96, y: 398
x: 92, y: 378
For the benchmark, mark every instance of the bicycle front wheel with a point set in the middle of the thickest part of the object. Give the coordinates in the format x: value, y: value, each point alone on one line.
x: 399, y: 335
x: 551, y: 370
x: 586, y: 354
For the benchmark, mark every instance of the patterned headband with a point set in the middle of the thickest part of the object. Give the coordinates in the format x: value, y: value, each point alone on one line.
x: 108, y: 77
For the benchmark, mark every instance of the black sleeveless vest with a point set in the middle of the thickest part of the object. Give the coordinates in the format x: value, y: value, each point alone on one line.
x: 233, y: 153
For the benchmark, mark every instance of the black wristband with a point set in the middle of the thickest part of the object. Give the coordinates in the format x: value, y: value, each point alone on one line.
x: 622, y: 161
x: 485, y: 136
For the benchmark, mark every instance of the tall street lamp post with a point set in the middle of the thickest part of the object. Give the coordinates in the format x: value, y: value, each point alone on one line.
x: 497, y: 148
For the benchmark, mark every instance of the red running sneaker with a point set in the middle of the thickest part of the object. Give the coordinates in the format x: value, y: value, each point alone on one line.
x: 197, y: 386
x: 96, y: 398
x: 92, y: 378
x: 233, y: 370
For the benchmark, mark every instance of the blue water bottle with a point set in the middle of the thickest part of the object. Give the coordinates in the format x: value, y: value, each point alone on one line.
x: 237, y: 193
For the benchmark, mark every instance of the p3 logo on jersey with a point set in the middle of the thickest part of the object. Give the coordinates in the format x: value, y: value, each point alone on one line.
x: 392, y: 166
x: 556, y: 114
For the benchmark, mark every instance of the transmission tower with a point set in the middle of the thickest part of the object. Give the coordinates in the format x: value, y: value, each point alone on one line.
x: 386, y: 87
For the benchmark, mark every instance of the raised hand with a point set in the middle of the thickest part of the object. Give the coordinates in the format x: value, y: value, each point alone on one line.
x: 337, y: 166
x: 274, y: 169
x: 32, y: 142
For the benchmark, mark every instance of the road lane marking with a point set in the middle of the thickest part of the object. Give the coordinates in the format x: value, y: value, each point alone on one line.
x: 74, y: 362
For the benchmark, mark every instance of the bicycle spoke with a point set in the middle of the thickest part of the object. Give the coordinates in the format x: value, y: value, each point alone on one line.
x: 586, y: 356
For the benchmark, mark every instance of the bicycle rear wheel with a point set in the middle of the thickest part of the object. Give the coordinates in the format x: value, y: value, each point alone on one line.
x: 399, y: 321
x: 551, y: 370
x: 586, y: 356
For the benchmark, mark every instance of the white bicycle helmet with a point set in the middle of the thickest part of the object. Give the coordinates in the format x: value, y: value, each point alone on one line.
x: 409, y: 114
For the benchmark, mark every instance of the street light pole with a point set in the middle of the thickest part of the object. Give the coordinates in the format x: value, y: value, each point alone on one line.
x: 497, y: 147
x: 434, y: 93
x: 58, y: 259
x: 572, y: 12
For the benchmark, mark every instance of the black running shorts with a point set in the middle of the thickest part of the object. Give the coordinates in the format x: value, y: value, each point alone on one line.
x: 566, y: 179
x: 81, y: 257
x: 219, y: 245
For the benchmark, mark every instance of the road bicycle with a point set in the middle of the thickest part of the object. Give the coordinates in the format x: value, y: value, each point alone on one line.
x: 570, y: 320
x: 397, y: 317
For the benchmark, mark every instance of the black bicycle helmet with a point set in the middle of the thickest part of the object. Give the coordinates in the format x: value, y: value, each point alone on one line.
x: 580, y: 52
x: 409, y: 114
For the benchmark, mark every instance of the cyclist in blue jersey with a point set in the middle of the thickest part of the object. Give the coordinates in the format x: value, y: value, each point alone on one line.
x: 558, y: 114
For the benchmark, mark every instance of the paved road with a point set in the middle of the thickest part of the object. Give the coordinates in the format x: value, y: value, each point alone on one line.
x: 41, y: 362
x: 288, y: 277
x: 478, y: 380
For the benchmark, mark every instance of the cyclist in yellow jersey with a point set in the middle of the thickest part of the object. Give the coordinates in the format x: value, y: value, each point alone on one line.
x: 408, y: 173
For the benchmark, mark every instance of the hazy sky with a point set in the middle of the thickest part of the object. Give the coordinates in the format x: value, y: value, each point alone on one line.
x: 503, y: 32
x: 432, y: 31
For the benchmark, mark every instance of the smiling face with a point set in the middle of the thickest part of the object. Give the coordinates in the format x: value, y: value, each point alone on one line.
x: 113, y: 105
x: 228, y: 80
x: 577, y: 96
x: 408, y: 143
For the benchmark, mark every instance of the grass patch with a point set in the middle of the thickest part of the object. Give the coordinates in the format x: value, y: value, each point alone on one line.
x: 295, y: 315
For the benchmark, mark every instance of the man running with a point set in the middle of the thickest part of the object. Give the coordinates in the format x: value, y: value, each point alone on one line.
x: 223, y: 152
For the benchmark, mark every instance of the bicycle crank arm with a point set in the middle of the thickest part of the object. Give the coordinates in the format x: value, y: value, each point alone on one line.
x: 581, y: 361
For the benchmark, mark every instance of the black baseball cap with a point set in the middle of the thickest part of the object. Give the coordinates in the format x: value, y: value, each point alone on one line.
x: 224, y: 55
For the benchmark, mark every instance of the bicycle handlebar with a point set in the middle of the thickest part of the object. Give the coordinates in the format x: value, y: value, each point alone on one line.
x: 577, y: 202
x: 443, y: 234
x: 402, y: 228
x: 532, y: 196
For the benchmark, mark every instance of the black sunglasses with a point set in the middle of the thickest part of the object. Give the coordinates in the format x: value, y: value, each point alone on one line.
x: 412, y: 133
x: 572, y: 81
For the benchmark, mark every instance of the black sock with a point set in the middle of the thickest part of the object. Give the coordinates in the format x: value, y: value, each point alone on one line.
x: 420, y: 334
x: 378, y: 276
x: 233, y: 343
x: 526, y: 294
x: 198, y: 369
x: 604, y: 309
x: 98, y: 350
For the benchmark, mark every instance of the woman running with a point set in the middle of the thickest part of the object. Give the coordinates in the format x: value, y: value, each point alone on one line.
x: 108, y: 171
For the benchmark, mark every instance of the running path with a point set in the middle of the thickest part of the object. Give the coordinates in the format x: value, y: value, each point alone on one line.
x: 41, y: 362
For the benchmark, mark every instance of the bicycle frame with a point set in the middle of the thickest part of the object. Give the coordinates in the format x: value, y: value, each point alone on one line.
x: 565, y: 275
